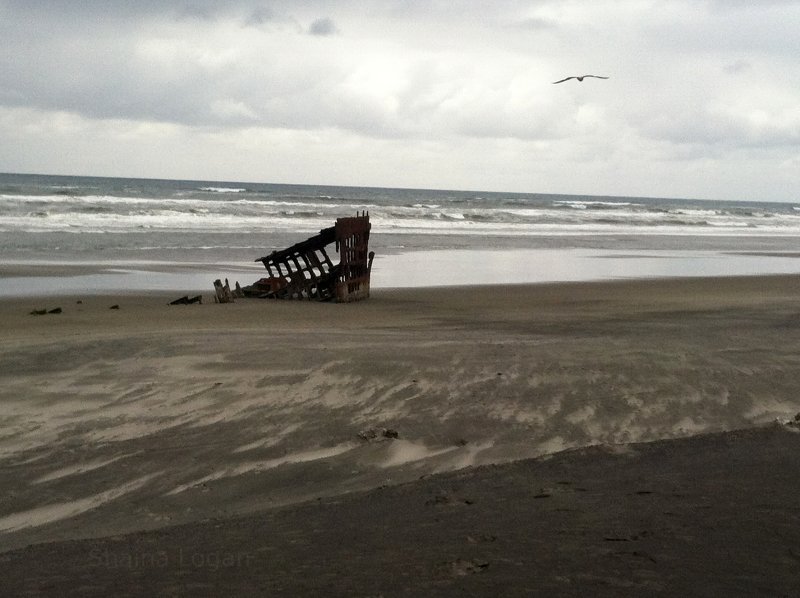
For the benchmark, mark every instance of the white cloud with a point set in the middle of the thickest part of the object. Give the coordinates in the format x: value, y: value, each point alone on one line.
x: 413, y: 93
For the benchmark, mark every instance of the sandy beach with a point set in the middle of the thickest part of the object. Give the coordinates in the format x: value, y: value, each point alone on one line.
x: 609, y: 438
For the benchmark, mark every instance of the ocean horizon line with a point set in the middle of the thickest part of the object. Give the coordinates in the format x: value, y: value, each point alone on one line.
x: 396, y: 188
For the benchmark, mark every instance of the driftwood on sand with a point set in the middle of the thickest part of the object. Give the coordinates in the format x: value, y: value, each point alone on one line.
x: 223, y: 293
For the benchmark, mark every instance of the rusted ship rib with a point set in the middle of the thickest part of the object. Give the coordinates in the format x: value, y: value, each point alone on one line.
x: 305, y: 270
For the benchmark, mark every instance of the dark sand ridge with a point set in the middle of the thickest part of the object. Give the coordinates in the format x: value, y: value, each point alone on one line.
x: 116, y: 421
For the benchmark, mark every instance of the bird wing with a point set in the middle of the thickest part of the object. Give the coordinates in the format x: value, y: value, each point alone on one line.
x: 562, y: 80
x: 596, y: 76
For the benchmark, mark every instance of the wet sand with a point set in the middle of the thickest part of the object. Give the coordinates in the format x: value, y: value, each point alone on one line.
x: 262, y: 434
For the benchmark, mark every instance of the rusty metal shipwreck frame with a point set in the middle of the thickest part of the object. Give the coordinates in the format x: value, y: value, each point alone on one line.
x: 306, y: 271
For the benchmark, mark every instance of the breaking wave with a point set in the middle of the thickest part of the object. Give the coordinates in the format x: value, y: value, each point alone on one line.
x: 72, y: 204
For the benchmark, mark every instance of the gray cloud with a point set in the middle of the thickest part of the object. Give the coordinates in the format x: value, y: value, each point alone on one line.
x: 260, y: 15
x: 322, y: 27
x: 714, y: 77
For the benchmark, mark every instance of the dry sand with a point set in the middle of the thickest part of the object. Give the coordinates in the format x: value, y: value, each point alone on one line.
x: 157, y: 449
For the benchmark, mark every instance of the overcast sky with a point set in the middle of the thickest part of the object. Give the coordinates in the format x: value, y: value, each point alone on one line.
x: 703, y: 98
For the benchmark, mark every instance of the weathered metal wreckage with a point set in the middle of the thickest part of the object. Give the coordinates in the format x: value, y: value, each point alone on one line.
x: 306, y: 271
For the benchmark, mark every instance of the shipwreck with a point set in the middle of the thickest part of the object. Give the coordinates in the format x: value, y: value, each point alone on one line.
x: 306, y: 271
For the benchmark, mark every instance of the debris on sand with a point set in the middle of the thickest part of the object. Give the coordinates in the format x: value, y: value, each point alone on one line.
x: 42, y: 312
x: 186, y: 300
x: 223, y: 292
x: 373, y: 434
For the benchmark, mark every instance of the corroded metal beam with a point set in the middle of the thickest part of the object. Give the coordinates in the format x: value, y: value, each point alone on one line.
x: 306, y: 271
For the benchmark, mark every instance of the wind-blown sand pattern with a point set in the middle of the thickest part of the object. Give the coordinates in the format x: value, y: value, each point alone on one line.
x: 54, y: 512
x: 152, y: 416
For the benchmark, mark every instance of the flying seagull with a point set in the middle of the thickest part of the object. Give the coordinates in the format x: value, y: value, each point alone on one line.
x: 581, y: 78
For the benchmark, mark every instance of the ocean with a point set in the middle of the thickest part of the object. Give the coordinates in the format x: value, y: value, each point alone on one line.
x: 151, y: 234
